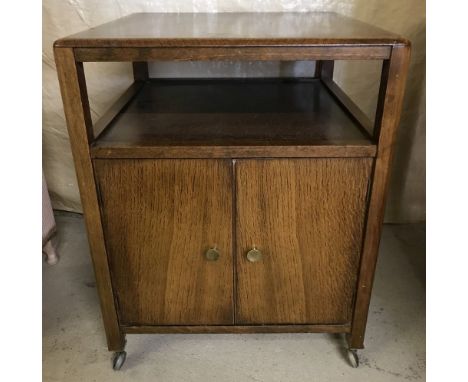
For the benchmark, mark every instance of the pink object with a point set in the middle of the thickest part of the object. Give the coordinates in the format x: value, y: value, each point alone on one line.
x: 48, y: 225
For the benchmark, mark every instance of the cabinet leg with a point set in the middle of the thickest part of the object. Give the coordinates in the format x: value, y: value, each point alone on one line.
x: 116, y: 342
x: 355, y: 340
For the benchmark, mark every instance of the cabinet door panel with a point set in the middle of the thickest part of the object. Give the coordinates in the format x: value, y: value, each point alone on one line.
x: 306, y: 216
x: 160, y: 216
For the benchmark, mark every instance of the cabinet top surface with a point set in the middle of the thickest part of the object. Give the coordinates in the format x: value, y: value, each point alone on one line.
x: 231, y: 29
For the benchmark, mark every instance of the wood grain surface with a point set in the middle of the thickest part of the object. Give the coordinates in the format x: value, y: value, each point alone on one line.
x: 231, y: 29
x: 306, y: 216
x: 390, y: 102
x: 80, y: 129
x: 238, y: 329
x: 218, y: 117
x: 115, y: 109
x: 244, y: 53
x: 325, y: 150
x: 159, y: 219
x: 348, y: 104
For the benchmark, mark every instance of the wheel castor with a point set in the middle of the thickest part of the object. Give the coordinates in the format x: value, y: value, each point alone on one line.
x: 353, y: 358
x: 118, y: 360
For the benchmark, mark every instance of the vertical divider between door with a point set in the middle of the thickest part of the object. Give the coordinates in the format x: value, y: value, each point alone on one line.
x: 234, y: 240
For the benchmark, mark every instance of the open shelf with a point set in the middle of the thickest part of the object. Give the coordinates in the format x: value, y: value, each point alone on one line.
x: 232, y: 118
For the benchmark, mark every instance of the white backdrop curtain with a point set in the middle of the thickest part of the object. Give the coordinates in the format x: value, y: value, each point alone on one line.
x: 106, y: 81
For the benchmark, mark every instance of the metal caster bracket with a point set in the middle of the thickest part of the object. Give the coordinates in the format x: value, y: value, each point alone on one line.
x: 353, y: 358
x: 118, y: 359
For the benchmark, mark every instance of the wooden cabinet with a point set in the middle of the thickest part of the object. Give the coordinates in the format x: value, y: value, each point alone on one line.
x: 233, y: 205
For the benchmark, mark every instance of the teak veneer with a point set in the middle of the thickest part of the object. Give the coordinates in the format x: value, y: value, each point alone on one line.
x: 233, y: 205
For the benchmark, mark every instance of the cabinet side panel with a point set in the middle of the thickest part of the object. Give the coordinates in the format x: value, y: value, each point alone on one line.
x: 306, y: 217
x: 160, y: 216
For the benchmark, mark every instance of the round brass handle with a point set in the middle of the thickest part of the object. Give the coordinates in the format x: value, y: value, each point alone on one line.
x: 254, y: 255
x: 212, y: 254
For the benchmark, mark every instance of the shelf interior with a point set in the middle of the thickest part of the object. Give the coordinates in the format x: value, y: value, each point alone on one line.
x: 235, y: 112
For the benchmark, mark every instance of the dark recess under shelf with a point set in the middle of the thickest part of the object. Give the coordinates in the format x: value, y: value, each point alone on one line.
x: 233, y: 118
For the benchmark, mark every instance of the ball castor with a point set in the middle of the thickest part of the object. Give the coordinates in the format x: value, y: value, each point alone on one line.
x: 118, y: 360
x: 353, y: 358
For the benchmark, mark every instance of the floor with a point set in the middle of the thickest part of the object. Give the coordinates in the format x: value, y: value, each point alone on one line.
x: 74, y: 345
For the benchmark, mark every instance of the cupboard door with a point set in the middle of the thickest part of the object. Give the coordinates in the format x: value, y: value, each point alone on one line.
x: 306, y: 218
x: 160, y: 217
